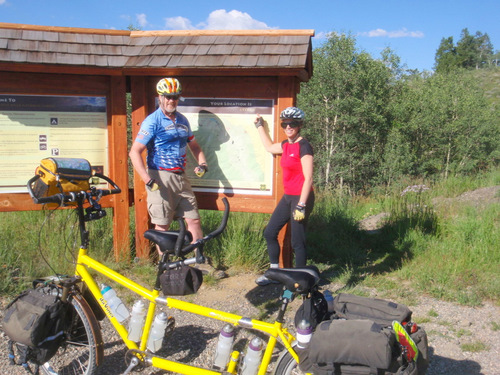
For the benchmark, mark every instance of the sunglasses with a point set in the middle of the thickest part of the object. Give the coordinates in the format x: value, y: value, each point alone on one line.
x: 173, y: 97
x: 292, y: 124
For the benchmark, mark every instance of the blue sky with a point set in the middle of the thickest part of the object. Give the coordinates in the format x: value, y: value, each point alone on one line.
x: 413, y: 29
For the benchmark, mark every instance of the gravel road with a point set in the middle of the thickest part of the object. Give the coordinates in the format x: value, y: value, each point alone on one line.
x: 449, y: 326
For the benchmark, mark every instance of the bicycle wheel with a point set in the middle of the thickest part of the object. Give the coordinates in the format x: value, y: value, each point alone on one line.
x: 82, y: 350
x: 287, y: 365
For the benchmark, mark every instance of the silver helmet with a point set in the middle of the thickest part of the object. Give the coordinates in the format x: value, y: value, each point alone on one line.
x: 292, y: 113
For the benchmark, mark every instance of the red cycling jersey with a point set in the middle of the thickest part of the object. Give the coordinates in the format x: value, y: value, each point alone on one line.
x: 293, y: 177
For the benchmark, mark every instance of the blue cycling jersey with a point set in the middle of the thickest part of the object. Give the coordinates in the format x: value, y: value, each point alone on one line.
x: 166, y: 140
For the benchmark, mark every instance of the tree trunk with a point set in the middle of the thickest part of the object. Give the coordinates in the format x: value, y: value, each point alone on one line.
x: 447, y: 161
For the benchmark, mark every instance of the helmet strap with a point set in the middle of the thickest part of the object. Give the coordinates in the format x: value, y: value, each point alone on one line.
x: 294, y: 139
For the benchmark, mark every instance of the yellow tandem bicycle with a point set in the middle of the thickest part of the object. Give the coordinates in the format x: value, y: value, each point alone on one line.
x: 82, y: 351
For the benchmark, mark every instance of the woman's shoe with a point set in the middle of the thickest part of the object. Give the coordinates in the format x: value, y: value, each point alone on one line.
x: 262, y: 281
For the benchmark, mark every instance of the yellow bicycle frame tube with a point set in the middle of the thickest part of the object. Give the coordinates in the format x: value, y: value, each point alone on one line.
x: 274, y: 330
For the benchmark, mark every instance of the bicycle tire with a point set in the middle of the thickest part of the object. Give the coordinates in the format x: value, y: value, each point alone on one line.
x: 82, y: 351
x: 287, y: 365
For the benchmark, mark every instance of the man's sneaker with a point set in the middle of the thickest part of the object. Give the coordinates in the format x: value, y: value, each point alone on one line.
x: 262, y: 280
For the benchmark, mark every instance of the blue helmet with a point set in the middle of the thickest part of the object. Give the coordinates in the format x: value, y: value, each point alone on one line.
x: 292, y: 113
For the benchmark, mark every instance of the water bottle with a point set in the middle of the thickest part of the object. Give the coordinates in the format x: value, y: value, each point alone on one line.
x: 136, y: 321
x: 304, y: 334
x: 118, y: 309
x: 157, y: 333
x: 329, y: 300
x: 224, y: 346
x: 251, y: 361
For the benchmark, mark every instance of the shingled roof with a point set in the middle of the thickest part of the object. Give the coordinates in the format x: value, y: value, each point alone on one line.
x: 139, y: 52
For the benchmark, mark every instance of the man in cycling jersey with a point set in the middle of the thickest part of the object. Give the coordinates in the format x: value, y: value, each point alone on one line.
x: 165, y: 134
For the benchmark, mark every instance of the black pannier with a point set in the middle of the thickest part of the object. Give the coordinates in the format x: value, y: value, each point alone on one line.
x: 36, y: 324
x: 359, y: 340
x: 350, y: 306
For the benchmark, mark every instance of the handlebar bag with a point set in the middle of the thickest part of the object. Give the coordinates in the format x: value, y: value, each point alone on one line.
x: 181, y: 281
x: 62, y: 175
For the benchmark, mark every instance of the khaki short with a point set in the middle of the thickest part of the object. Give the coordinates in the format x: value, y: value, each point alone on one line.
x: 175, y: 198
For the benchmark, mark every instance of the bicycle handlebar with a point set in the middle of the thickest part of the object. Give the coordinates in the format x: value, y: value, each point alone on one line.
x: 198, y: 245
x: 80, y: 196
x: 73, y: 196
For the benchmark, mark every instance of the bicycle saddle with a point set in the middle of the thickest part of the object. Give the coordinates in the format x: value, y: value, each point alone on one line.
x: 166, y: 239
x: 300, y: 280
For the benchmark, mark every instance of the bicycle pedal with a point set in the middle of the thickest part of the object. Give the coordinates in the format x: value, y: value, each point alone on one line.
x: 133, y: 361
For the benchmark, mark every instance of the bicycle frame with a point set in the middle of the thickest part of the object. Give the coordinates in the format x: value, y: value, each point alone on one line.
x: 274, y: 330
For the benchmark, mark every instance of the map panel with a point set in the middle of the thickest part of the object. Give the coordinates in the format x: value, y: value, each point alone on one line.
x: 237, y: 160
x: 33, y: 127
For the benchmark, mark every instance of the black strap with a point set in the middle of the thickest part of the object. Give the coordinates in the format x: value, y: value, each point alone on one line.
x: 11, y: 353
x: 24, y: 354
x: 337, y: 370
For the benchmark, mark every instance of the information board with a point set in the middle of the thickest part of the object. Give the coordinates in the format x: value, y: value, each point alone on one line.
x: 33, y: 127
x: 225, y: 130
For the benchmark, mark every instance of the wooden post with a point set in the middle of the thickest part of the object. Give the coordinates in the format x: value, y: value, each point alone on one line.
x: 119, y: 166
x: 139, y: 113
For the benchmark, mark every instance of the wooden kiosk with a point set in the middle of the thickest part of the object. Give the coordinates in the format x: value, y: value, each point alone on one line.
x: 37, y: 62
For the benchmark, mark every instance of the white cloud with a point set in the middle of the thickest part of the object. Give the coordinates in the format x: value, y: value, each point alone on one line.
x: 141, y: 20
x: 3, y: 2
x: 178, y: 23
x: 218, y: 20
x: 324, y: 35
x: 402, y: 33
x: 321, y: 35
x: 233, y: 20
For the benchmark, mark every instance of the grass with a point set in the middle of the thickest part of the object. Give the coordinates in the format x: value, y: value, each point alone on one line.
x: 463, y: 332
x: 446, y: 251
x: 474, y: 347
x: 494, y: 326
x: 241, y: 246
x: 39, y: 243
x: 433, y: 313
x: 422, y: 320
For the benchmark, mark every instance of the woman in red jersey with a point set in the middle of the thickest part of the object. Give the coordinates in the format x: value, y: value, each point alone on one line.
x: 298, y: 199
